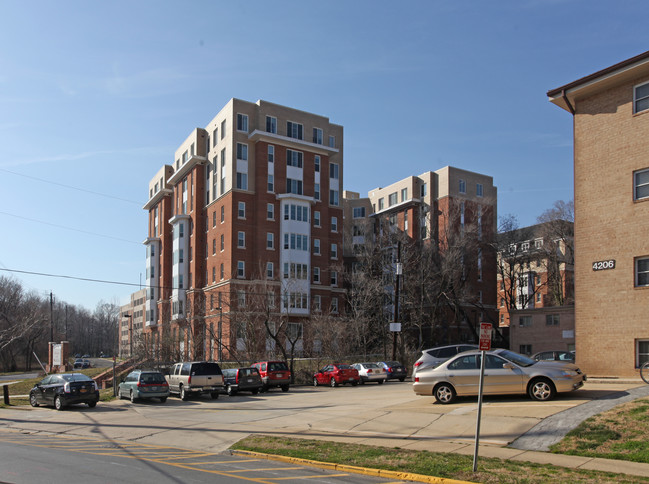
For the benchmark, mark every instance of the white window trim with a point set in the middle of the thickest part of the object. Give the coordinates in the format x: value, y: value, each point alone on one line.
x: 635, y: 99
x: 636, y: 185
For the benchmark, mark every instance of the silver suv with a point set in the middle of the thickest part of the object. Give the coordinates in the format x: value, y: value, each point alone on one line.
x: 195, y: 377
x: 434, y: 356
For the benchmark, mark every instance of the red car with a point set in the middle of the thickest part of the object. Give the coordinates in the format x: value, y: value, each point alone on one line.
x: 273, y: 374
x: 335, y: 375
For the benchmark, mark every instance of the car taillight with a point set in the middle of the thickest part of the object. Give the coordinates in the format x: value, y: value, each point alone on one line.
x: 369, y: 371
x: 418, y: 363
x: 237, y: 377
x: 139, y: 384
x: 416, y: 379
x: 189, y: 380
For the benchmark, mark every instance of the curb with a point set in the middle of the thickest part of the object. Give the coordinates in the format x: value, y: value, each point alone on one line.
x: 406, y: 476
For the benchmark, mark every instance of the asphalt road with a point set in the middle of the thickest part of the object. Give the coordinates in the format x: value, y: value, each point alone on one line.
x: 31, y: 458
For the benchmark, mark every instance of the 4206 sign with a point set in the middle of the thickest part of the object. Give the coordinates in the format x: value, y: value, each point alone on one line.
x: 603, y: 265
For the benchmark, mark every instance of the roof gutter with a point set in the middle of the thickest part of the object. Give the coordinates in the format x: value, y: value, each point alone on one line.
x: 567, y: 101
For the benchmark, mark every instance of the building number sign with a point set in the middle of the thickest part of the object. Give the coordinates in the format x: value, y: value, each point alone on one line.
x: 604, y: 265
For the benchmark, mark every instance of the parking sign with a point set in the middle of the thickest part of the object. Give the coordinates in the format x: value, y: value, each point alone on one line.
x: 485, y: 336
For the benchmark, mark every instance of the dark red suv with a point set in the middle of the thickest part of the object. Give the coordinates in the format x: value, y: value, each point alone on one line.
x: 273, y: 374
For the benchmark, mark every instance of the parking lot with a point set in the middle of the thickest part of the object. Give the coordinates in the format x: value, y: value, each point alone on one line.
x: 389, y: 414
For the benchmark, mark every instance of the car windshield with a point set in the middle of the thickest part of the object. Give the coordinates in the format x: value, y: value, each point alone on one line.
x: 520, y: 360
x: 393, y: 363
x: 344, y: 367
x: 152, y: 378
x: 206, y: 369
x: 75, y: 377
x: 370, y: 365
x: 277, y: 366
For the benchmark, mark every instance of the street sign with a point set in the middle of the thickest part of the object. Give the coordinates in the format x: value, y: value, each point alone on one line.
x: 485, y: 336
x: 395, y: 327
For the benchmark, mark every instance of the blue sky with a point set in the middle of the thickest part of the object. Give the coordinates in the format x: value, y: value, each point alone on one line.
x: 95, y: 97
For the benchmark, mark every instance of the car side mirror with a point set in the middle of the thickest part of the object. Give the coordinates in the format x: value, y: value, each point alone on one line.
x: 508, y: 366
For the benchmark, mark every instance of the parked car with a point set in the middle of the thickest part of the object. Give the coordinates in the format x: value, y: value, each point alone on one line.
x: 506, y: 372
x: 394, y: 370
x: 86, y: 356
x: 370, y: 372
x: 273, y: 374
x: 557, y: 355
x: 140, y: 384
x: 434, y: 356
x: 77, y: 355
x: 242, y: 380
x: 81, y: 363
x: 64, y: 389
x: 195, y: 377
x: 335, y: 375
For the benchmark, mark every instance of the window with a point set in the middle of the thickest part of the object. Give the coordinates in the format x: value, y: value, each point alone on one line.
x: 242, y: 122
x: 317, y: 136
x: 242, y: 210
x: 478, y: 189
x: 242, y: 181
x: 525, y: 349
x: 502, y: 302
x: 334, y: 198
x: 242, y: 152
x: 641, y: 98
x: 525, y: 321
x: 462, y: 186
x: 642, y: 272
x: 222, y: 271
x: 222, y: 213
x: 294, y: 158
x: 332, y: 141
x: 271, y: 154
x: 213, y: 246
x: 334, y: 224
x: 333, y: 170
x: 270, y: 270
x: 271, y: 183
x: 552, y: 320
x: 317, y: 303
x: 316, y: 246
x: 404, y: 194
x: 270, y: 240
x: 241, y: 269
x: 392, y: 199
x: 334, y: 278
x: 214, y: 218
x: 223, y: 129
x: 641, y: 184
x: 334, y: 251
x: 271, y: 124
x: 316, y: 275
x: 316, y: 191
x: 358, y: 212
x: 294, y: 130
x: 213, y: 274
x: 270, y: 211
x: 334, y: 304
x: 316, y: 218
x: 222, y: 242
x: 215, y: 136
x: 241, y: 240
x: 381, y: 204
x: 316, y: 163
x: 294, y: 186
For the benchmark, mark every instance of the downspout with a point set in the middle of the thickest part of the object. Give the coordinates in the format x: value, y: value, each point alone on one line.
x: 567, y: 101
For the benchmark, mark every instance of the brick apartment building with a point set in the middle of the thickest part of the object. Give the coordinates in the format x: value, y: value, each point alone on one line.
x: 131, y: 323
x: 610, y: 111
x: 251, y: 206
x: 536, y: 287
x: 426, y: 209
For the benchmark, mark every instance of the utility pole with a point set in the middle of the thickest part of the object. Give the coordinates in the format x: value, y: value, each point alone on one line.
x: 51, y: 317
x: 399, y: 270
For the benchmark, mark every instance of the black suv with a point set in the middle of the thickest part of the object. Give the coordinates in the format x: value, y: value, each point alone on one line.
x: 242, y: 380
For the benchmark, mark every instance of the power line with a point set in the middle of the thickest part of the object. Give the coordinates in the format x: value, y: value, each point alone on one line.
x: 73, y: 187
x: 69, y: 228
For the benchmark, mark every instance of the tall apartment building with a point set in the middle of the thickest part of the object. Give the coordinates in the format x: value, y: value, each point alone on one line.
x: 251, y: 203
x: 536, y: 287
x: 131, y: 323
x: 427, y: 209
x: 610, y: 111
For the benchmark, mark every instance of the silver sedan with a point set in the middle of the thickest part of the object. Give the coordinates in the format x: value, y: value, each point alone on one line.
x: 506, y: 372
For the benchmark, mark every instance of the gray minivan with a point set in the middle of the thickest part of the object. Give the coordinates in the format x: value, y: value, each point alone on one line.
x: 434, y: 356
x: 195, y: 377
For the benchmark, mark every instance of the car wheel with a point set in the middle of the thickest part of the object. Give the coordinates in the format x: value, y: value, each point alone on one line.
x: 362, y: 382
x: 315, y: 382
x: 214, y: 395
x: 284, y: 388
x: 541, y: 389
x: 354, y: 383
x: 230, y: 391
x: 381, y: 382
x: 402, y: 378
x: 92, y: 404
x: 58, y: 403
x: 32, y: 400
x: 183, y: 394
x: 264, y: 389
x: 444, y: 393
x: 255, y: 391
x: 132, y: 397
x: 163, y: 399
x: 333, y: 383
